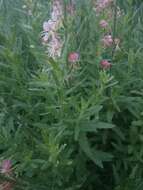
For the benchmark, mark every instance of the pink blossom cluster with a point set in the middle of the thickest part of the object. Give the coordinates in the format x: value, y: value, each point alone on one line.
x: 105, y: 64
x: 51, y: 37
x: 102, y: 4
x: 107, y: 41
x: 6, y: 169
x: 103, y: 24
x: 73, y: 57
x: 57, y: 11
x: 55, y: 46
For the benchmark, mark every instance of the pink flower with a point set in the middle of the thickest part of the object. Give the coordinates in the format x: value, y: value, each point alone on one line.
x: 55, y: 46
x: 57, y: 11
x: 103, y: 24
x: 46, y: 26
x: 45, y: 38
x: 49, y: 25
x: 73, y: 57
x: 51, y: 38
x: 105, y: 64
x: 107, y: 41
x: 102, y: 4
x: 6, y: 166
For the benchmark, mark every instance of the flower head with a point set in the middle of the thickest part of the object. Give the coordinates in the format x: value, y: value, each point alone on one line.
x: 73, y: 57
x: 103, y: 24
x: 55, y: 46
x: 105, y: 64
x: 46, y: 26
x: 6, y: 166
x: 49, y: 25
x: 45, y: 38
x: 57, y: 11
x: 51, y: 38
x: 102, y: 4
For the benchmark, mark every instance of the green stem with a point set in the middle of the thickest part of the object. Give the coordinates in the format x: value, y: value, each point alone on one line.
x: 114, y: 28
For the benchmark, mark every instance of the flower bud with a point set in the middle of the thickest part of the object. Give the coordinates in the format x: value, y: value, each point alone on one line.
x: 73, y: 57
x: 105, y: 64
x: 103, y: 24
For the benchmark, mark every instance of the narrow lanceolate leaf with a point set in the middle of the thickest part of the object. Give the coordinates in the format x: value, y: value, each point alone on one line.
x: 84, y: 144
x: 98, y: 157
x: 93, y: 126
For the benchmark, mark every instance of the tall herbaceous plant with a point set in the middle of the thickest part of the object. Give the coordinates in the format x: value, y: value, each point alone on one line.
x: 71, y: 94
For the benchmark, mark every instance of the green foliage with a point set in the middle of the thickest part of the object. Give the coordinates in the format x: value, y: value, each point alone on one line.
x: 70, y: 128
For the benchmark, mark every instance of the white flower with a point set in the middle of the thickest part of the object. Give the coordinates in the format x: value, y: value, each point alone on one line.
x: 49, y: 25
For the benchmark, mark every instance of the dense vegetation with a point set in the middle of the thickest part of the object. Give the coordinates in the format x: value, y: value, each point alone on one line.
x: 72, y: 121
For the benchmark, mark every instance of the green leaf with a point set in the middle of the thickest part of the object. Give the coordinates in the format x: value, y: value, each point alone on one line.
x: 92, y: 126
x: 84, y: 144
x: 98, y: 157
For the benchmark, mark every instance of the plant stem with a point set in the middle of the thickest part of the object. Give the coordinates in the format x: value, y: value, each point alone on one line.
x: 114, y: 28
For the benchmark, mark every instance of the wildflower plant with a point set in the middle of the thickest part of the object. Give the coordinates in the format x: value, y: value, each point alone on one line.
x: 71, y: 95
